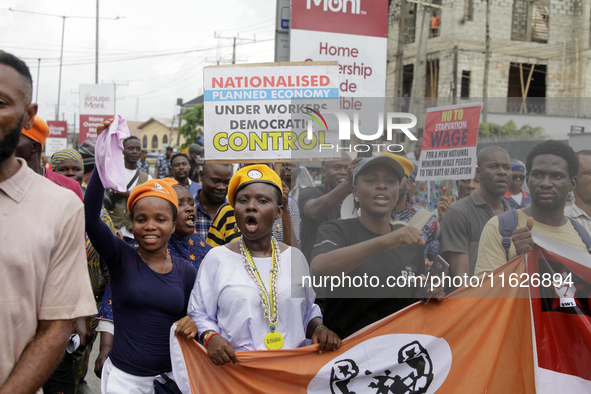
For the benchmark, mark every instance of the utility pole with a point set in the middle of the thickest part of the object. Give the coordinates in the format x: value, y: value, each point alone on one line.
x: 179, y: 102
x: 59, y: 84
x: 137, y: 108
x: 486, y: 65
x: 455, y: 77
x: 38, y: 72
x: 236, y: 37
x: 96, y: 44
x: 126, y: 83
x: 400, y: 50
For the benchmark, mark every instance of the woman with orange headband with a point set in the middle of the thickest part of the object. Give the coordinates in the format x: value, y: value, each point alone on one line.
x: 150, y: 288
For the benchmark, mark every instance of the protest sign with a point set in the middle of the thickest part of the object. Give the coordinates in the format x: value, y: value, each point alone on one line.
x: 449, y: 143
x: 260, y: 112
x: 57, y: 138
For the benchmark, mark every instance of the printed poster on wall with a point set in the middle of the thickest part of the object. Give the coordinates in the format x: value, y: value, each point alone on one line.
x: 261, y: 112
x: 449, y: 143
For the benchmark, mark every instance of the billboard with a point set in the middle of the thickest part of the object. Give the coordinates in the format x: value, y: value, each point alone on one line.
x: 57, y: 138
x: 352, y: 32
x: 97, y: 104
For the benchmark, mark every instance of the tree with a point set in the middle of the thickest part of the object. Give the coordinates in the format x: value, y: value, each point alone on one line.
x: 193, y: 118
x: 491, y: 130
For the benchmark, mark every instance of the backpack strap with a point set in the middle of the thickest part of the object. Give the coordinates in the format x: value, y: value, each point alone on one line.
x: 507, y: 225
x: 582, y: 233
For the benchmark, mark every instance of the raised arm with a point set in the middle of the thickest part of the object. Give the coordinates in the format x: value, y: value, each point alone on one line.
x: 318, y: 208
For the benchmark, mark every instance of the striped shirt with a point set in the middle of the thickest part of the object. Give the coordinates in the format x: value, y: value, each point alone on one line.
x: 223, y: 230
x: 579, y: 215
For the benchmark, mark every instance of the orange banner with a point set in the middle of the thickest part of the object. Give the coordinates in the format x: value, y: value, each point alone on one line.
x: 479, y: 343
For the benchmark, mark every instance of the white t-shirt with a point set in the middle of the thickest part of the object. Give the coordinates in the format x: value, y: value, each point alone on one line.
x: 517, y: 197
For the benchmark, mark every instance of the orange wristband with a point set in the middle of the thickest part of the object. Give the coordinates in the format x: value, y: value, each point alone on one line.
x: 209, y: 337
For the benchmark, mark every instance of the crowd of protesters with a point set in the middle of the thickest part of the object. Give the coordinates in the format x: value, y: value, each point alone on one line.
x: 204, y: 247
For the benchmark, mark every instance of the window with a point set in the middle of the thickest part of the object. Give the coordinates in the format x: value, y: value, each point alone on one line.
x: 530, y: 21
x: 465, y: 84
x: 155, y: 142
x: 165, y: 139
x: 145, y: 142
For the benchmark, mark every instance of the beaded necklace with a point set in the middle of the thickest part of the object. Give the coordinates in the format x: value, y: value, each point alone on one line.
x: 273, y: 340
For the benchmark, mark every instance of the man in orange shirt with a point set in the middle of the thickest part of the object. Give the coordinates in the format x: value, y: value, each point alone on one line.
x: 435, y: 21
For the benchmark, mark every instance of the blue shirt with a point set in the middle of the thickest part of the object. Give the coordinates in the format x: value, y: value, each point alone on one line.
x: 191, y: 248
x: 145, y: 302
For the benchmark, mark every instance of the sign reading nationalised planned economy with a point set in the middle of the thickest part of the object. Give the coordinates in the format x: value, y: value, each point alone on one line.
x: 97, y: 104
x: 260, y: 112
x: 449, y: 143
x: 352, y: 32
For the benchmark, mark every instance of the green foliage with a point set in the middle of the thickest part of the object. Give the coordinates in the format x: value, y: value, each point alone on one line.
x: 491, y: 130
x: 193, y: 118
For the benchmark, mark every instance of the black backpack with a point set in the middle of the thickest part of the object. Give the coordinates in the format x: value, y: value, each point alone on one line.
x: 508, y: 224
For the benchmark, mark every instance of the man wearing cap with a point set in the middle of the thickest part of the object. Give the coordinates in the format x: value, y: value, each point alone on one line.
x: 405, y: 211
x: 323, y: 203
x: 142, y: 163
x: 163, y: 164
x: 44, y: 281
x: 30, y: 148
x: 516, y: 196
x: 368, y: 246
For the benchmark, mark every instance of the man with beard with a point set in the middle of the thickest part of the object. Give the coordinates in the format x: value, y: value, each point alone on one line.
x: 552, y: 167
x: 44, y: 279
x: 323, y: 203
x: 215, y: 179
x: 133, y: 176
x: 180, y: 168
x: 30, y: 147
x: 464, y: 221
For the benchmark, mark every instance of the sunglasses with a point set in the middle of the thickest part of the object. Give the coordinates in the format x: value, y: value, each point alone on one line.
x: 518, y: 177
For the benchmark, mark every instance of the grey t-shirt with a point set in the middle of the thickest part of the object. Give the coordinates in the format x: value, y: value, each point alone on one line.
x: 462, y: 225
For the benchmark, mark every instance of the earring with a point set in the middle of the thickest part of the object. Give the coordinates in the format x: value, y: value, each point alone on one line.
x: 356, y: 199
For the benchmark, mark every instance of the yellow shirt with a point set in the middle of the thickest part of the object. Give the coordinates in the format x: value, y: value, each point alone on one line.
x: 223, y: 229
x: 491, y: 254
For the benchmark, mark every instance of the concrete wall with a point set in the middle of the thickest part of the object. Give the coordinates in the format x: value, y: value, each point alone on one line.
x: 569, y: 32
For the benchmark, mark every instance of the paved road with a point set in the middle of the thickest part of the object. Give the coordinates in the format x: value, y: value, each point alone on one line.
x: 94, y: 383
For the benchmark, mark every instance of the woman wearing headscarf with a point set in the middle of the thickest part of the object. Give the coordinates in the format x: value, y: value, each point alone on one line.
x: 369, y: 246
x: 235, y: 279
x: 150, y: 288
x: 184, y: 243
x: 68, y: 162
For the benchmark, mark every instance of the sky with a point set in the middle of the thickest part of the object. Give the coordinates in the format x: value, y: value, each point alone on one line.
x: 155, y: 52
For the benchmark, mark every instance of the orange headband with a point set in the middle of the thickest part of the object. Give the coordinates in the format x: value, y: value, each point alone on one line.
x: 153, y: 188
x: 38, y: 132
